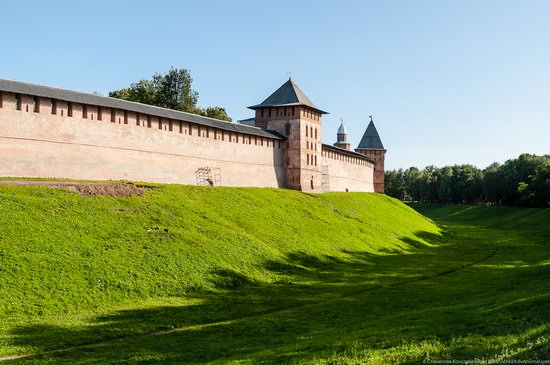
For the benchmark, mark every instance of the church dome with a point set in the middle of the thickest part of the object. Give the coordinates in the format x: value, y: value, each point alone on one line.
x: 342, y: 129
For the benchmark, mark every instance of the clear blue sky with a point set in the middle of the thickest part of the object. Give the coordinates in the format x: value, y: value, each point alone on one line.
x: 447, y: 81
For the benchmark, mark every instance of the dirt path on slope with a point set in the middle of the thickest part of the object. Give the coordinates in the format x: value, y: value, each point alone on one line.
x: 84, y: 188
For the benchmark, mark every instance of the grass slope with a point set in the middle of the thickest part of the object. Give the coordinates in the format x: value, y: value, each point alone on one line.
x: 70, y: 266
x: 193, y: 275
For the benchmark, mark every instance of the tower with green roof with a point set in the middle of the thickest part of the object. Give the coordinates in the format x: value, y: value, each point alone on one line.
x: 290, y: 113
x: 372, y: 147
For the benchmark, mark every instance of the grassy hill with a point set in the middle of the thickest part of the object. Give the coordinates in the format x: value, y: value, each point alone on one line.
x: 191, y: 275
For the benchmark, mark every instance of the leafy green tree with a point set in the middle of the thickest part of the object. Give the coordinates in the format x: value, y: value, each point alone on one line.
x: 172, y: 90
x: 524, y: 181
x: 394, y: 183
x: 217, y: 112
x: 492, y: 186
x: 444, y: 187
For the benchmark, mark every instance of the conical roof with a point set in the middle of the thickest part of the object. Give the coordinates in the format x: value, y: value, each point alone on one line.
x: 371, y: 139
x: 289, y: 94
x: 342, y: 129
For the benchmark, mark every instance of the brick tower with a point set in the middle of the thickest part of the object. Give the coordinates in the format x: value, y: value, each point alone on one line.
x: 289, y: 112
x: 371, y: 146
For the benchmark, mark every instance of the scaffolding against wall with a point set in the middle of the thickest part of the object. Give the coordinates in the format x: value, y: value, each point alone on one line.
x: 208, y: 176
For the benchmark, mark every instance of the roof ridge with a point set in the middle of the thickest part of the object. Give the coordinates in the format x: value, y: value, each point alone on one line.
x: 116, y: 103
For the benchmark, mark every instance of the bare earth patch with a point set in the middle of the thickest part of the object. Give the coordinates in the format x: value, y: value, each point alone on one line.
x: 84, y: 188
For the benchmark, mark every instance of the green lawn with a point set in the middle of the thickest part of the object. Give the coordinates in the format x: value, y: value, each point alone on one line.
x: 195, y: 275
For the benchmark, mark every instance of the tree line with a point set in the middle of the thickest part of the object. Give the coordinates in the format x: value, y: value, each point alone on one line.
x: 172, y: 90
x: 523, y: 181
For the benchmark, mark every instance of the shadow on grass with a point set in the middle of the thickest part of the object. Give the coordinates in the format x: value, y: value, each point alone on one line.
x: 453, y: 294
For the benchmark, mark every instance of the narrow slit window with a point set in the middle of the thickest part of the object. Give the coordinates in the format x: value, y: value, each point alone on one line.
x: 69, y: 109
x: 99, y: 114
x: 113, y: 115
x: 54, y: 106
x: 125, y: 117
x: 85, y: 111
x: 36, y: 104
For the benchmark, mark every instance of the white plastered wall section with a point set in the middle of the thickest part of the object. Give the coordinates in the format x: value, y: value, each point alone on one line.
x: 347, y: 176
x: 47, y: 145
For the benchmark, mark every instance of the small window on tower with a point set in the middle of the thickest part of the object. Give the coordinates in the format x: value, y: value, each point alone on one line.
x: 70, y: 109
x: 287, y: 129
x: 85, y: 111
x: 54, y: 106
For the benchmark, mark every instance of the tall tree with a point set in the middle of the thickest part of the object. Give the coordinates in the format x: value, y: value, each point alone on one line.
x: 172, y: 90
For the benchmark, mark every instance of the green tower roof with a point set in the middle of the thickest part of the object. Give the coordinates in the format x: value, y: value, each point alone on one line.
x: 371, y: 139
x: 289, y: 94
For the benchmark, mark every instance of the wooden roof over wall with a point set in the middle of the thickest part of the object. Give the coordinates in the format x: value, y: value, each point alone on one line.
x: 108, y: 102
